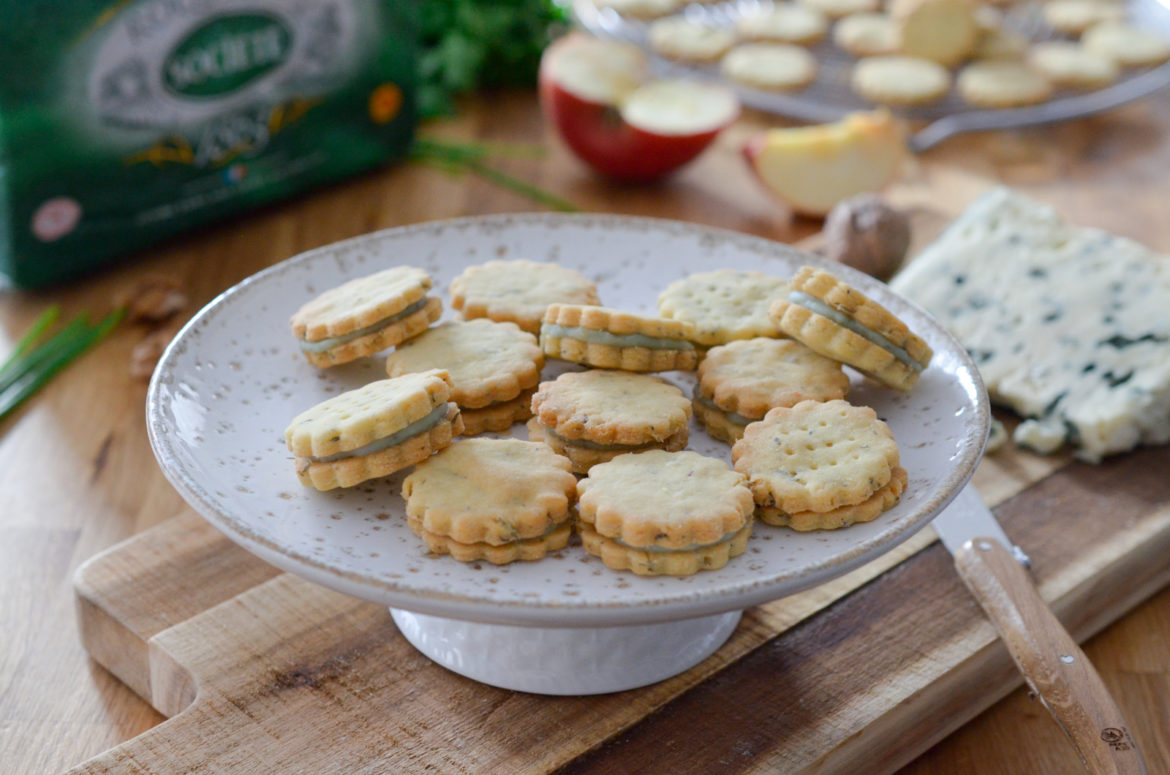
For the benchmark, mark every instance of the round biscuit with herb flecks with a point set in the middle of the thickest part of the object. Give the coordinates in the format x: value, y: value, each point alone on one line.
x: 518, y: 291
x: 374, y: 430
x: 664, y: 513
x: 614, y: 339
x: 365, y: 315
x: 882, y: 500
x: 723, y: 305
x: 840, y: 322
x: 491, y: 365
x: 816, y: 456
x: 741, y: 381
x: 499, y: 500
x: 593, y: 416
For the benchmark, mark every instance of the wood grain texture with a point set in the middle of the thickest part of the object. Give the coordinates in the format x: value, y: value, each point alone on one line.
x: 77, y: 474
x: 241, y: 633
x: 789, y: 691
x: 295, y: 677
x: 1053, y: 666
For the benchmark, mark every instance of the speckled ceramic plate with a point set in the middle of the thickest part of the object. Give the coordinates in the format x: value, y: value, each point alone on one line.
x: 233, y: 378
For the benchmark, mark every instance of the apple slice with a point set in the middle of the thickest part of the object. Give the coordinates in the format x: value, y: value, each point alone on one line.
x: 598, y: 96
x: 813, y: 168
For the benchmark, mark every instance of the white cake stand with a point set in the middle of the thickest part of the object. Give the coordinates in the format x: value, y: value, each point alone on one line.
x: 233, y: 378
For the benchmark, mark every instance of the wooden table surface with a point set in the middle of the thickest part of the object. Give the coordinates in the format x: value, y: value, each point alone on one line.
x: 77, y: 474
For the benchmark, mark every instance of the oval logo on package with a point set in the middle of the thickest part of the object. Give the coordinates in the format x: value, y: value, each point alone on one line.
x: 227, y: 54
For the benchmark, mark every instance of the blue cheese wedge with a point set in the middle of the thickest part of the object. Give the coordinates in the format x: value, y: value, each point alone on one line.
x: 1070, y: 326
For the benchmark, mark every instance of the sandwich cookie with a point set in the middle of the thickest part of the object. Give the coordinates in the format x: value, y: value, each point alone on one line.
x: 365, y: 316
x: 820, y: 465
x: 518, y: 291
x: 594, y: 416
x: 612, y: 339
x: 494, y: 369
x: 840, y: 322
x: 740, y: 381
x: 664, y: 513
x: 499, y: 500
x: 723, y: 305
x: 373, y: 431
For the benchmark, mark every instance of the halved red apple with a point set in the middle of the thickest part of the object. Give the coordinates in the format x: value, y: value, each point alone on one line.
x: 598, y: 95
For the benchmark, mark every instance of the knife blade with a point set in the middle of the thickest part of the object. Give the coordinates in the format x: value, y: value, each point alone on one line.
x: 1054, y: 667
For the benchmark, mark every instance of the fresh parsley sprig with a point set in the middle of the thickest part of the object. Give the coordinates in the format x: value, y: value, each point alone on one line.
x: 469, y: 45
x: 31, y: 365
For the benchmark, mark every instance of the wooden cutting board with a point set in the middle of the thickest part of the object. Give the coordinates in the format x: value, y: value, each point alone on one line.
x: 262, y: 672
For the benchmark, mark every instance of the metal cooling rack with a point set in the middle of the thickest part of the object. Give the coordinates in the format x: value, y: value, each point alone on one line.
x: 830, y: 97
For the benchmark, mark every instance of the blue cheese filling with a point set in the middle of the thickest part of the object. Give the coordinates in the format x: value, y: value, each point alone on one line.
x: 321, y: 345
x: 813, y: 304
x: 732, y: 417
x: 554, y: 527
x: 416, y: 428
x: 586, y: 444
x: 668, y: 550
x: 597, y: 336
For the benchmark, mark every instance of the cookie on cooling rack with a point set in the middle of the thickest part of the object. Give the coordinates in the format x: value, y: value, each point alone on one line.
x: 835, y: 9
x: 770, y: 66
x: 900, y: 80
x: 494, y: 369
x: 613, y: 339
x: 664, y: 513
x: 1072, y: 17
x: 943, y: 31
x: 820, y: 465
x: 783, y: 23
x: 373, y: 431
x: 867, y: 34
x: 1002, y: 84
x: 741, y: 381
x: 594, y: 416
x: 840, y: 322
x: 640, y: 9
x: 365, y: 316
x: 499, y: 500
x: 723, y: 305
x: 1126, y: 44
x: 1070, y: 64
x: 681, y: 39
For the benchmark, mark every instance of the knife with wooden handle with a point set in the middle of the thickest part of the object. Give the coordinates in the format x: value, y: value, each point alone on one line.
x: 1053, y: 665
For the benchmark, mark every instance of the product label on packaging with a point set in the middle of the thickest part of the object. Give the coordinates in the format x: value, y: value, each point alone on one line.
x: 125, y: 120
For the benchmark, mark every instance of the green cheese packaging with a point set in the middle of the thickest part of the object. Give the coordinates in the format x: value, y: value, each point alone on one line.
x: 124, y: 121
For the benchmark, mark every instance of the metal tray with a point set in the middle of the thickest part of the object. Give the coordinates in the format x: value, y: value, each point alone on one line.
x: 830, y: 97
